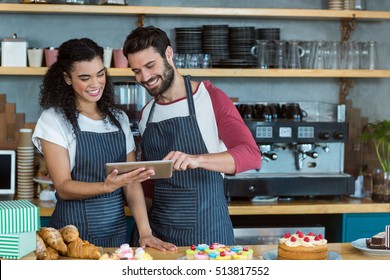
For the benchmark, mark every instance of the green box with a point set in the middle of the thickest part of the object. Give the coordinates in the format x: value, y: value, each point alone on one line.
x: 18, y: 216
x: 17, y: 245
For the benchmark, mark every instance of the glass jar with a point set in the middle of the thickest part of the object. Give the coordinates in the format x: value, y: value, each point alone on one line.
x: 360, y: 4
x: 380, y: 185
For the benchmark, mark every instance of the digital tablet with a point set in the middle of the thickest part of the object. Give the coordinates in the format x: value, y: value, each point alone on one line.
x: 162, y: 168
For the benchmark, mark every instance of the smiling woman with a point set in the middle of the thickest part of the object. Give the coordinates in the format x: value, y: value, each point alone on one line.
x: 78, y: 132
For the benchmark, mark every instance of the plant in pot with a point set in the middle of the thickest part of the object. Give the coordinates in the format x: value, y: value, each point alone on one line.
x: 379, y: 133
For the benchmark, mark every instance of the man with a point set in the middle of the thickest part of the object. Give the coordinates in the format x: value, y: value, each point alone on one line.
x: 198, y: 127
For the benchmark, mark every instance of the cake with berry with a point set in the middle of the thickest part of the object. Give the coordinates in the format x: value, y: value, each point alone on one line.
x: 301, y: 246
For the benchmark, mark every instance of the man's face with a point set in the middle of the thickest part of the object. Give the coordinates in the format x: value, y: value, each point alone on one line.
x: 152, y: 71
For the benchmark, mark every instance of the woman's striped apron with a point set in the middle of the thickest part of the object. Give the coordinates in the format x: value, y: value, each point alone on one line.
x: 100, y: 219
x: 189, y: 208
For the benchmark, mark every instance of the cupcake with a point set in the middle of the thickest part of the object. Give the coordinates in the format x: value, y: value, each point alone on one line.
x: 124, y: 252
x: 201, y: 256
x: 213, y: 255
x: 202, y: 247
x: 239, y: 256
x: 248, y: 252
x: 209, y: 250
x: 229, y: 252
x: 217, y: 246
x: 190, y: 253
x: 223, y: 256
x: 140, y: 254
x: 236, y: 248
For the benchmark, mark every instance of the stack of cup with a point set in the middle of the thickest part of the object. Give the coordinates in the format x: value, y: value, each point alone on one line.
x: 25, y: 165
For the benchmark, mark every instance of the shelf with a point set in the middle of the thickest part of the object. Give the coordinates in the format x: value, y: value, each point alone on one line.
x: 221, y: 72
x: 193, y: 11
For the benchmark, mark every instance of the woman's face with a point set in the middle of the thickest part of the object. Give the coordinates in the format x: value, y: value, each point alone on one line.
x: 88, y: 79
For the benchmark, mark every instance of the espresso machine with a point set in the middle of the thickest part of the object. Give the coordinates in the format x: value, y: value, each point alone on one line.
x: 302, y: 148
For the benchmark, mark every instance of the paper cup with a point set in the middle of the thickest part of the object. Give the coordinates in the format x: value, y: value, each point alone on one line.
x: 35, y: 57
x: 107, y: 57
x: 50, y: 56
x: 120, y: 61
x: 25, y: 135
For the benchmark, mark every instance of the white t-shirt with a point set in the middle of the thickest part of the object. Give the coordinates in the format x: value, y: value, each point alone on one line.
x: 53, y: 127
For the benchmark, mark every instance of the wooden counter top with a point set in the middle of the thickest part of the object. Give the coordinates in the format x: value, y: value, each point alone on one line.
x: 346, y: 251
x: 296, y: 206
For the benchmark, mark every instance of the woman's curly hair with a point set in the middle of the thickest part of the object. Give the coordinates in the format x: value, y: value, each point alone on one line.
x: 56, y: 93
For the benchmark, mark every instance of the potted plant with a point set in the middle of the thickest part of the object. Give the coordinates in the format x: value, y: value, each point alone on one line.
x: 379, y: 133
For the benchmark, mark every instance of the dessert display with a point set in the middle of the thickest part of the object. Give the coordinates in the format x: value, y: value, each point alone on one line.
x: 217, y: 251
x: 125, y: 252
x: 380, y: 240
x: 301, y: 246
x: 52, y: 243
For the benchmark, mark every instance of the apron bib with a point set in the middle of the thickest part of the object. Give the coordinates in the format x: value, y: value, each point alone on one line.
x: 190, y: 207
x: 99, y: 219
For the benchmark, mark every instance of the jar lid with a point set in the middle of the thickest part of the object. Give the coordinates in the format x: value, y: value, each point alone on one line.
x: 14, y: 38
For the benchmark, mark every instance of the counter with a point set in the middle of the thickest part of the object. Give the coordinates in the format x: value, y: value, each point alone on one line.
x: 346, y: 251
x: 296, y: 206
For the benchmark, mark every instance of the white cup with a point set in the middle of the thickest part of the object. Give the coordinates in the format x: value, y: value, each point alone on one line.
x: 35, y: 56
x: 107, y: 56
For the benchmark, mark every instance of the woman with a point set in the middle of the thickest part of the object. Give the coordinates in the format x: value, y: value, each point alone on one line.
x: 78, y: 132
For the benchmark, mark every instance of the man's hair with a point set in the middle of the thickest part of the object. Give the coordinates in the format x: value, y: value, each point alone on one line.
x: 142, y: 38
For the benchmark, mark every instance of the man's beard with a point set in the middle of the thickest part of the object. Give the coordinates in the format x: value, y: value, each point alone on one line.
x: 167, y: 81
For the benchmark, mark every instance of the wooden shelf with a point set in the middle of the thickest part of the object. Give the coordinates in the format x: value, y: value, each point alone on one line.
x: 212, y: 12
x: 221, y: 72
x: 193, y: 11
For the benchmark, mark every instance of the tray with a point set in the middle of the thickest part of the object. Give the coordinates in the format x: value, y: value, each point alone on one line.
x: 360, y: 244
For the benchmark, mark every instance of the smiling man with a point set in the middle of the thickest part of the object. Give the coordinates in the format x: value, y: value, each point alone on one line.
x: 196, y: 125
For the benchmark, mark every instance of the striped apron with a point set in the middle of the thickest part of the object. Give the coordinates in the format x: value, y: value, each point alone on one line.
x: 100, y: 219
x: 190, y: 207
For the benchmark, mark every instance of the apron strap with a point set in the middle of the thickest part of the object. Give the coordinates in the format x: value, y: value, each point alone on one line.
x: 190, y: 98
x: 191, y: 106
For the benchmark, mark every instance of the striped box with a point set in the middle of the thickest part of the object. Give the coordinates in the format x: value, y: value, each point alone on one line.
x: 17, y: 245
x: 19, y: 221
x: 18, y: 216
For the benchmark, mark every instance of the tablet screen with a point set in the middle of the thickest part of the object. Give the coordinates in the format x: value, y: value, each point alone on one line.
x: 162, y: 168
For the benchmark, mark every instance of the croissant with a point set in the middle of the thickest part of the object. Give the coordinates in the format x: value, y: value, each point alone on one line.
x: 53, y: 238
x: 82, y: 249
x: 41, y: 251
x: 53, y: 253
x: 69, y: 233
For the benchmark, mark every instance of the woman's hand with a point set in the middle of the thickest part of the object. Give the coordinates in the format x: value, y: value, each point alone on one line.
x: 154, y: 242
x: 114, y: 181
